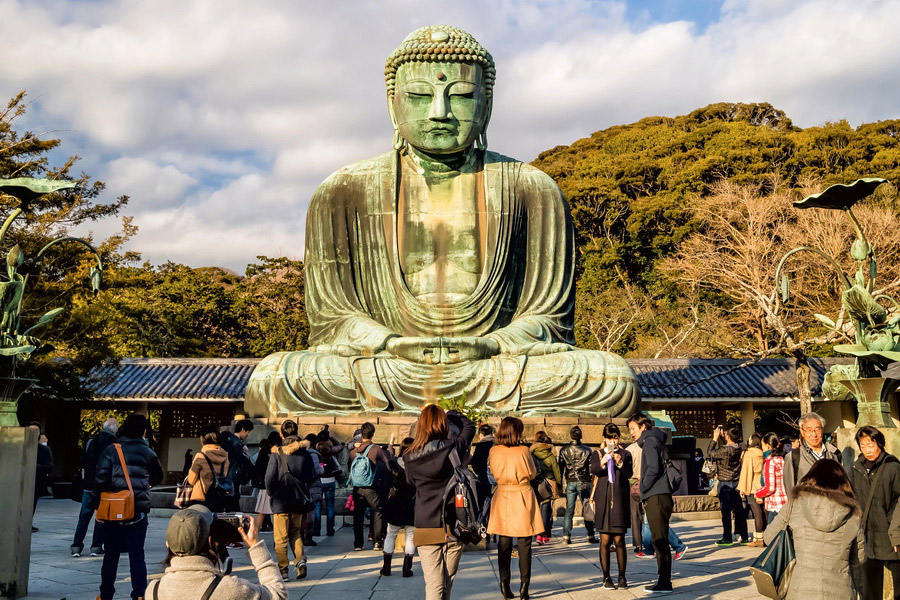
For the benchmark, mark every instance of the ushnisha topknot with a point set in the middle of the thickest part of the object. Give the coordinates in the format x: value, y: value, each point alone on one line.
x: 440, y: 43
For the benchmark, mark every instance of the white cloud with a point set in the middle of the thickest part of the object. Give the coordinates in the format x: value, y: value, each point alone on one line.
x: 220, y: 117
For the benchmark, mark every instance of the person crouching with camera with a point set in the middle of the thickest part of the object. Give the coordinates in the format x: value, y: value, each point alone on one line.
x: 193, y: 569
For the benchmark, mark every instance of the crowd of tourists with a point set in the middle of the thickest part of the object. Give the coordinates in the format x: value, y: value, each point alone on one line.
x: 441, y: 488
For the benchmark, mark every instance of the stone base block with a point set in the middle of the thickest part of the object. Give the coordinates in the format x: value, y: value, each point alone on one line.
x: 18, y: 456
x: 342, y: 427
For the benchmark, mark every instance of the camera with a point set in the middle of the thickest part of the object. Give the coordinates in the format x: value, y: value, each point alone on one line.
x: 236, y: 520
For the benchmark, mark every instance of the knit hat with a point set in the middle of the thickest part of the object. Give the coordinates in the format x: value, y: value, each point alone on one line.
x: 188, y: 530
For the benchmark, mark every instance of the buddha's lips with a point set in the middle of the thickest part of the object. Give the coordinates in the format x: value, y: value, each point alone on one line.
x: 439, y: 130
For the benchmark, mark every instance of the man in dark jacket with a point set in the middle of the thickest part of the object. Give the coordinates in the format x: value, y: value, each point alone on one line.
x: 92, y: 451
x: 656, y: 494
x: 575, y: 465
x: 144, y: 471
x: 875, y: 477
x: 240, y: 466
x: 811, y: 448
x: 480, y: 452
x: 43, y: 467
x: 727, y: 454
x: 291, y: 458
x: 372, y: 495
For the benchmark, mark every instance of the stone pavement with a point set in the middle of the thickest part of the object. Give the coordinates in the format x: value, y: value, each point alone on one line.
x: 336, y: 572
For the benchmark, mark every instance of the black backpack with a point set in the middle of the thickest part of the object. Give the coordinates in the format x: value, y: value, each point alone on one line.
x: 291, y: 491
x: 222, y: 487
x: 460, y: 501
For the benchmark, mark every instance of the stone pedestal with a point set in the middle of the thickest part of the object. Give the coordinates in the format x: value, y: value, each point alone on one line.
x: 386, y: 425
x: 18, y: 456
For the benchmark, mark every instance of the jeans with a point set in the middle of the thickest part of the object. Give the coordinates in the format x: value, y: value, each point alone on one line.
x: 659, y: 510
x: 547, y: 517
x: 84, y: 520
x: 674, y: 540
x: 128, y: 538
x: 574, y: 490
x: 328, y: 501
x: 732, y: 507
x: 373, y: 498
x: 390, y: 539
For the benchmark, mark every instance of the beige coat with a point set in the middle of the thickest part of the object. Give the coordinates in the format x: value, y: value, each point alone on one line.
x: 751, y: 471
x: 200, y: 476
x: 515, y: 511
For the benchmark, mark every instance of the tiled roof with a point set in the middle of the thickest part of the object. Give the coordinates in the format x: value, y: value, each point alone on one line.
x: 724, y: 378
x: 186, y: 379
x: 198, y: 379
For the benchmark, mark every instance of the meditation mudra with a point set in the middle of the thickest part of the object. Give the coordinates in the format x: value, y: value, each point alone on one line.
x: 440, y: 269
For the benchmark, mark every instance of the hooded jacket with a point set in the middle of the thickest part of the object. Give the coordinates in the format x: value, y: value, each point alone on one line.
x: 189, y: 576
x: 825, y: 528
x: 429, y: 470
x: 299, y: 463
x: 653, y: 469
x: 200, y: 476
x: 575, y: 462
x: 882, y: 524
x: 143, y: 469
x: 546, y: 462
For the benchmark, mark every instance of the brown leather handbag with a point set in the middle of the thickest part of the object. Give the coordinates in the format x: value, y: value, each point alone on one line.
x: 117, y: 506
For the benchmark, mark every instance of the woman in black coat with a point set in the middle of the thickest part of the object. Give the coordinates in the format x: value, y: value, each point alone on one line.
x: 399, y: 513
x: 611, y: 467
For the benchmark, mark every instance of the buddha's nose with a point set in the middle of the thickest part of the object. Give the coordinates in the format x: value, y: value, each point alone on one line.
x: 439, y: 108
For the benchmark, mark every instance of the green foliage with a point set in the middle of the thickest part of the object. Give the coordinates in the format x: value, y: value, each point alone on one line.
x: 92, y: 421
x: 476, y: 414
x: 631, y: 189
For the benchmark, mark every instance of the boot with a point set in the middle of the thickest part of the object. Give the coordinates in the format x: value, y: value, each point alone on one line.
x: 505, y: 590
x: 308, y: 538
x: 407, y: 565
x: 386, y: 569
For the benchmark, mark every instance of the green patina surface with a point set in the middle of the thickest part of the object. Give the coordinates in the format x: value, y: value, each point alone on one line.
x: 877, y: 334
x: 17, y: 342
x: 440, y: 269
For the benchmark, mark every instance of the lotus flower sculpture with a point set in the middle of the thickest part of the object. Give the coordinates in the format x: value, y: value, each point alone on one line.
x: 876, y: 332
x: 17, y: 341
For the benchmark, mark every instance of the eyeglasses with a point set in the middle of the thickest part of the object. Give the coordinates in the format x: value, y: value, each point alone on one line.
x: 812, y: 430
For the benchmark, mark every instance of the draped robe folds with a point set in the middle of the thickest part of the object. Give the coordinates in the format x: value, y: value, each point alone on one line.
x: 357, y: 298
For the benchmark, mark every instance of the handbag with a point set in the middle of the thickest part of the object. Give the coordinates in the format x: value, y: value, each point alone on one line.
x: 708, y: 467
x: 183, y: 494
x: 542, y: 489
x: 589, y: 509
x: 117, y: 506
x: 773, y: 568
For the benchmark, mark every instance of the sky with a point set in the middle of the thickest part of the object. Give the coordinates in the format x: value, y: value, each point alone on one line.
x: 220, y: 117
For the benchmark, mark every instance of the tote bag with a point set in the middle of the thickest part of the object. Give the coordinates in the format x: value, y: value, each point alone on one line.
x: 773, y: 568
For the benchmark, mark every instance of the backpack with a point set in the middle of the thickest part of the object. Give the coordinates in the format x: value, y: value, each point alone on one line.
x: 291, y: 491
x: 362, y: 471
x: 460, y: 501
x: 222, y: 486
x: 673, y: 473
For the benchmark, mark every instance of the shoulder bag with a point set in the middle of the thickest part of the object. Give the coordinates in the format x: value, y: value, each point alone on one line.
x: 588, y: 508
x: 117, y: 506
x: 773, y: 568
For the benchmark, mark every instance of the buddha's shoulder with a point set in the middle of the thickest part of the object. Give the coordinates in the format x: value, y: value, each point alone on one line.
x: 525, y: 174
x: 359, y: 170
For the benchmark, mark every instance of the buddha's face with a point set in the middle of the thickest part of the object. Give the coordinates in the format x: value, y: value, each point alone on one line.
x: 440, y: 108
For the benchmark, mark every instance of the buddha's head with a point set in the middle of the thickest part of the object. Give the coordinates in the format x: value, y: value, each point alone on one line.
x: 440, y: 84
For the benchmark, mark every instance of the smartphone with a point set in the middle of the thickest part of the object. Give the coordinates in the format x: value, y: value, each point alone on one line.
x: 246, y: 524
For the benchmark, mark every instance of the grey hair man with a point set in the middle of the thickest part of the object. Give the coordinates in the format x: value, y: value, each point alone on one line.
x: 92, y: 451
x: 812, y: 448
